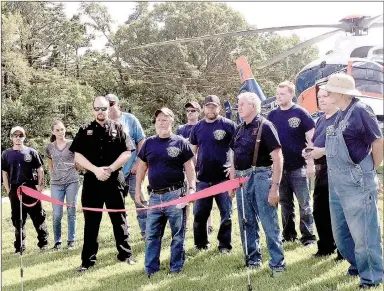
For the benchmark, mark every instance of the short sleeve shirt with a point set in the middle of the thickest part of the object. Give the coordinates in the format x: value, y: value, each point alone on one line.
x: 185, y: 130
x: 165, y: 158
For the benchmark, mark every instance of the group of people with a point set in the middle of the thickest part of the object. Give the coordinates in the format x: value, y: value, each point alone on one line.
x: 279, y: 154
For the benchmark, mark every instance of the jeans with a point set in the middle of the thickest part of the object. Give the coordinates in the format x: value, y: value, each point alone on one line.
x: 257, y: 208
x: 156, y: 222
x: 59, y: 192
x: 294, y: 182
x: 141, y: 214
x: 202, y: 209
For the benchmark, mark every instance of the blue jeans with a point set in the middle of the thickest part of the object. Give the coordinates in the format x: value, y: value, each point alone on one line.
x: 141, y: 214
x: 257, y: 208
x: 294, y: 182
x: 202, y: 210
x: 156, y: 221
x: 59, y: 192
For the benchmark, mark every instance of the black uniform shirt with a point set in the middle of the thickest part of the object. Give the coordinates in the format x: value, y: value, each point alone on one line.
x: 101, y: 145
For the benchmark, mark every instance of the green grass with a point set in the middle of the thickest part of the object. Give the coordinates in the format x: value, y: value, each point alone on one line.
x: 207, y: 270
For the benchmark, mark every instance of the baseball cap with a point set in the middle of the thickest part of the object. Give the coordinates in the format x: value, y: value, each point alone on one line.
x: 17, y: 128
x: 112, y: 98
x: 212, y: 99
x: 193, y: 104
x: 166, y: 111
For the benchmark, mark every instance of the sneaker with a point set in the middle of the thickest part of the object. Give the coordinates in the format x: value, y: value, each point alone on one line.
x: 44, y: 248
x: 277, y: 272
x: 57, y: 246
x: 129, y: 261
x: 71, y: 245
x: 202, y: 248
x: 367, y: 285
x: 210, y: 229
x: 254, y: 266
x: 82, y: 269
x: 224, y: 251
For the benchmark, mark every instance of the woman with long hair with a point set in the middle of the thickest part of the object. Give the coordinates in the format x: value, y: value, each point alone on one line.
x: 64, y: 182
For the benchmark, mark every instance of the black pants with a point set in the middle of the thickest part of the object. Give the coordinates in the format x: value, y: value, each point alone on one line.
x: 36, y: 213
x: 326, y: 243
x: 95, y: 194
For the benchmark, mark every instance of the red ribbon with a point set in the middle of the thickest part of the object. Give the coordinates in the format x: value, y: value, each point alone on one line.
x: 213, y: 190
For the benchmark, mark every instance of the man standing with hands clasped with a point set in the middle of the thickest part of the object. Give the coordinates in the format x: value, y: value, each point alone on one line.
x: 165, y: 156
x: 102, y: 148
x: 261, y: 191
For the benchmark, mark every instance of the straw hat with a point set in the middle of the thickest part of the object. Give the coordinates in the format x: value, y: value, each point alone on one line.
x: 341, y: 83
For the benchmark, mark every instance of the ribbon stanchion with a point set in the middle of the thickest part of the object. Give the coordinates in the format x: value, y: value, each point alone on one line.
x: 211, y: 191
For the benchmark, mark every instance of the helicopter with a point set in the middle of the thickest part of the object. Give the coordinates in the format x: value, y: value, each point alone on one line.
x: 354, y: 53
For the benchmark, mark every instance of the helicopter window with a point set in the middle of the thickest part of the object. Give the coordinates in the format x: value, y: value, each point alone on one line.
x: 368, y: 76
x: 361, y: 52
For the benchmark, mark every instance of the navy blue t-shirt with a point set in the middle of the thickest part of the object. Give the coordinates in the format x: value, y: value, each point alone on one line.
x: 213, y: 141
x: 291, y: 125
x: 362, y: 129
x: 244, y: 140
x: 185, y: 130
x: 21, y: 164
x: 165, y: 158
x: 323, y: 126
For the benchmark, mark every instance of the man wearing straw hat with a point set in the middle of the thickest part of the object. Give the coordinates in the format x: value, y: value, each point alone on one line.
x: 354, y: 150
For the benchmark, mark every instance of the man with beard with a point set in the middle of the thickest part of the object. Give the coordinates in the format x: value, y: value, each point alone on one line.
x: 102, y: 148
x: 210, y: 138
x: 135, y: 132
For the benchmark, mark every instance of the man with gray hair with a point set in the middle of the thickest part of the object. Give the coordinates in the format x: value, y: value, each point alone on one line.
x: 259, y: 196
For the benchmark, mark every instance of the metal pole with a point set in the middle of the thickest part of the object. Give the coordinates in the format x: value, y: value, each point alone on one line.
x: 244, y: 222
x: 21, y: 241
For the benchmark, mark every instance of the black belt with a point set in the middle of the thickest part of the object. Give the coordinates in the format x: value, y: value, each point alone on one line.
x: 167, y: 189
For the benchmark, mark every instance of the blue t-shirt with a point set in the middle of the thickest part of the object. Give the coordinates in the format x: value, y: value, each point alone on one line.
x: 361, y: 130
x: 213, y: 141
x: 244, y: 140
x: 185, y: 130
x: 21, y: 165
x: 133, y: 129
x: 165, y: 158
x: 323, y: 126
x: 291, y: 125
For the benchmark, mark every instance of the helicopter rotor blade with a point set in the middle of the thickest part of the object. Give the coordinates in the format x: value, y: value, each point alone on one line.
x: 298, y: 48
x: 368, y: 22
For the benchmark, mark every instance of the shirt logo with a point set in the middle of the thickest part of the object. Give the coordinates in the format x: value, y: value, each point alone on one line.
x: 89, y: 132
x: 173, y: 152
x: 329, y: 130
x: 27, y: 158
x: 114, y: 132
x: 294, y: 122
x: 219, y: 134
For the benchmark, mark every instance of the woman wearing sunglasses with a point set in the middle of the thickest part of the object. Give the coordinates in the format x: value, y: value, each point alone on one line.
x: 64, y: 182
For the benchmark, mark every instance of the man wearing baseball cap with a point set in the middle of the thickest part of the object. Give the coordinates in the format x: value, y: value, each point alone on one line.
x: 192, y: 110
x: 354, y: 150
x: 134, y: 130
x: 19, y: 165
x: 165, y: 156
x: 210, y: 137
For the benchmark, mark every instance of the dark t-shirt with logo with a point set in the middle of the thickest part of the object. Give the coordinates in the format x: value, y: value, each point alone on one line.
x: 21, y: 165
x: 185, y: 130
x: 165, y: 158
x: 213, y: 141
x: 323, y: 126
x: 291, y: 125
x: 244, y: 140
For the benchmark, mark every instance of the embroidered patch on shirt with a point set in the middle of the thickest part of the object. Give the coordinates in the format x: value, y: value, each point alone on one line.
x: 329, y: 130
x: 27, y: 158
x: 219, y: 134
x: 294, y: 122
x: 89, y: 132
x: 173, y: 151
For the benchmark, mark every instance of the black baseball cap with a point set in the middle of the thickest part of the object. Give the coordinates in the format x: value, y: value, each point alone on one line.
x: 212, y: 99
x: 193, y: 104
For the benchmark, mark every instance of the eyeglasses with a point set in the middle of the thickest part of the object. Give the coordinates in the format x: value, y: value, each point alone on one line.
x: 112, y: 103
x: 191, y: 110
x: 100, y: 108
x: 18, y: 135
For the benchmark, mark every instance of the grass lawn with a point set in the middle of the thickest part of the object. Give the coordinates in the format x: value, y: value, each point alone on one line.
x: 207, y: 270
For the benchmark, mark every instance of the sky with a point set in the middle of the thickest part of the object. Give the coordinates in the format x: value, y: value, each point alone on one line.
x: 269, y: 14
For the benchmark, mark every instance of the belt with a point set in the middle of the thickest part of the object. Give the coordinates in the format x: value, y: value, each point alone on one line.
x: 167, y: 189
x: 244, y: 173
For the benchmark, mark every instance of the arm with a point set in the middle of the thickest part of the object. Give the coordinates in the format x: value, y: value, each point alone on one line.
x: 40, y: 177
x: 134, y: 166
x: 194, y: 149
x: 98, y: 171
x: 50, y: 165
x: 191, y: 175
x: 310, y: 162
x: 277, y: 169
x: 140, y: 175
x: 6, y: 182
x: 377, y: 152
x: 120, y: 161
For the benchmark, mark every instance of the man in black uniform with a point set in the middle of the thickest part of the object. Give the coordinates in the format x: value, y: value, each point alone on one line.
x: 19, y: 165
x: 102, y: 148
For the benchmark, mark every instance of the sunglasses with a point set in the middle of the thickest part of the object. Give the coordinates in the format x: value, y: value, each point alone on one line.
x: 191, y: 110
x: 112, y: 103
x: 100, y: 108
x: 18, y: 135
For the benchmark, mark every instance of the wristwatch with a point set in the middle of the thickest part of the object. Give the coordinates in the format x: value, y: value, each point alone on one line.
x: 276, y: 183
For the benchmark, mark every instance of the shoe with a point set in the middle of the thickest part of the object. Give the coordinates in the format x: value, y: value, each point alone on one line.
x: 203, y: 248
x: 17, y: 252
x: 224, y: 251
x: 129, y: 261
x: 322, y: 254
x: 71, y: 245
x: 309, y: 243
x: 210, y: 229
x: 367, y: 285
x: 44, y: 248
x: 352, y: 273
x: 57, y: 246
x: 254, y: 266
x: 82, y: 269
x: 277, y: 272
